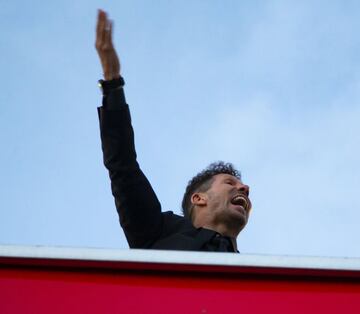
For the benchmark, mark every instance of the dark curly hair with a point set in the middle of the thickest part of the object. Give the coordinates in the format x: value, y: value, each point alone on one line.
x: 202, y: 182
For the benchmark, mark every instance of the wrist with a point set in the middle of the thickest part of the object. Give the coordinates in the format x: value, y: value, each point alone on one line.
x: 111, y: 76
x: 108, y: 85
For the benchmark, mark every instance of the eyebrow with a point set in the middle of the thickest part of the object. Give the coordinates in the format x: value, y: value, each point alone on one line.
x: 232, y: 179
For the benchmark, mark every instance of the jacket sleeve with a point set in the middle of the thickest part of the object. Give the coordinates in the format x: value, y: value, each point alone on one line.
x: 137, y: 205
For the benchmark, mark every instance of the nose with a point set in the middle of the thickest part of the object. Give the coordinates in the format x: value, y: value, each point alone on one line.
x: 243, y: 188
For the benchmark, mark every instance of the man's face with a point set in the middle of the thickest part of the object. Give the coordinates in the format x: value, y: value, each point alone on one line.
x: 228, y: 201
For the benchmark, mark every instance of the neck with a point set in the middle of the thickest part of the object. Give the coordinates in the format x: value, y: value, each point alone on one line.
x: 202, y: 219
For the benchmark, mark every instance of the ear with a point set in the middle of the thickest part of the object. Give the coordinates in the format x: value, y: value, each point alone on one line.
x: 199, y: 199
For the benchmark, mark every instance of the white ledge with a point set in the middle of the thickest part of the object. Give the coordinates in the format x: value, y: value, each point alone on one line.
x: 180, y: 257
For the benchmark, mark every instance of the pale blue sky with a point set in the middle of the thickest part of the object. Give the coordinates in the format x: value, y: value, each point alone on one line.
x: 272, y: 86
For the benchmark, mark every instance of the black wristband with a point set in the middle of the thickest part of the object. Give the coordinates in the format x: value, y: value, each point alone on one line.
x: 108, y: 86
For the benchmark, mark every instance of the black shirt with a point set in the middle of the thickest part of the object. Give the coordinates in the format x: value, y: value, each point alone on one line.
x: 144, y: 224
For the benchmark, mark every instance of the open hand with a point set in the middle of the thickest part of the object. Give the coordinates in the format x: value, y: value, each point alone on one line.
x: 105, y: 48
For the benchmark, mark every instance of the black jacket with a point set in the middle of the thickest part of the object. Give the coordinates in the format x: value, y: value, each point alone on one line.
x: 139, y: 210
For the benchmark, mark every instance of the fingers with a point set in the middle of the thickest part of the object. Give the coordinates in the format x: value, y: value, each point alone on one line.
x: 104, y: 46
x: 103, y: 31
x: 99, y: 21
x: 100, y: 24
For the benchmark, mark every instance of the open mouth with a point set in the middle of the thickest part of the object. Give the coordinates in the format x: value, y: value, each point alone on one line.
x: 241, y: 200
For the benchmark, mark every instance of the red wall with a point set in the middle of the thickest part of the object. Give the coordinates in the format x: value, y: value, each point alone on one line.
x: 126, y: 289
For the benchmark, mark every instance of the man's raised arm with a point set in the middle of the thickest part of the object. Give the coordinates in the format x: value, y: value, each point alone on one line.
x: 138, y: 207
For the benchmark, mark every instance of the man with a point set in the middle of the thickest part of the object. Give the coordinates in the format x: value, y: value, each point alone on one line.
x: 215, y: 205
